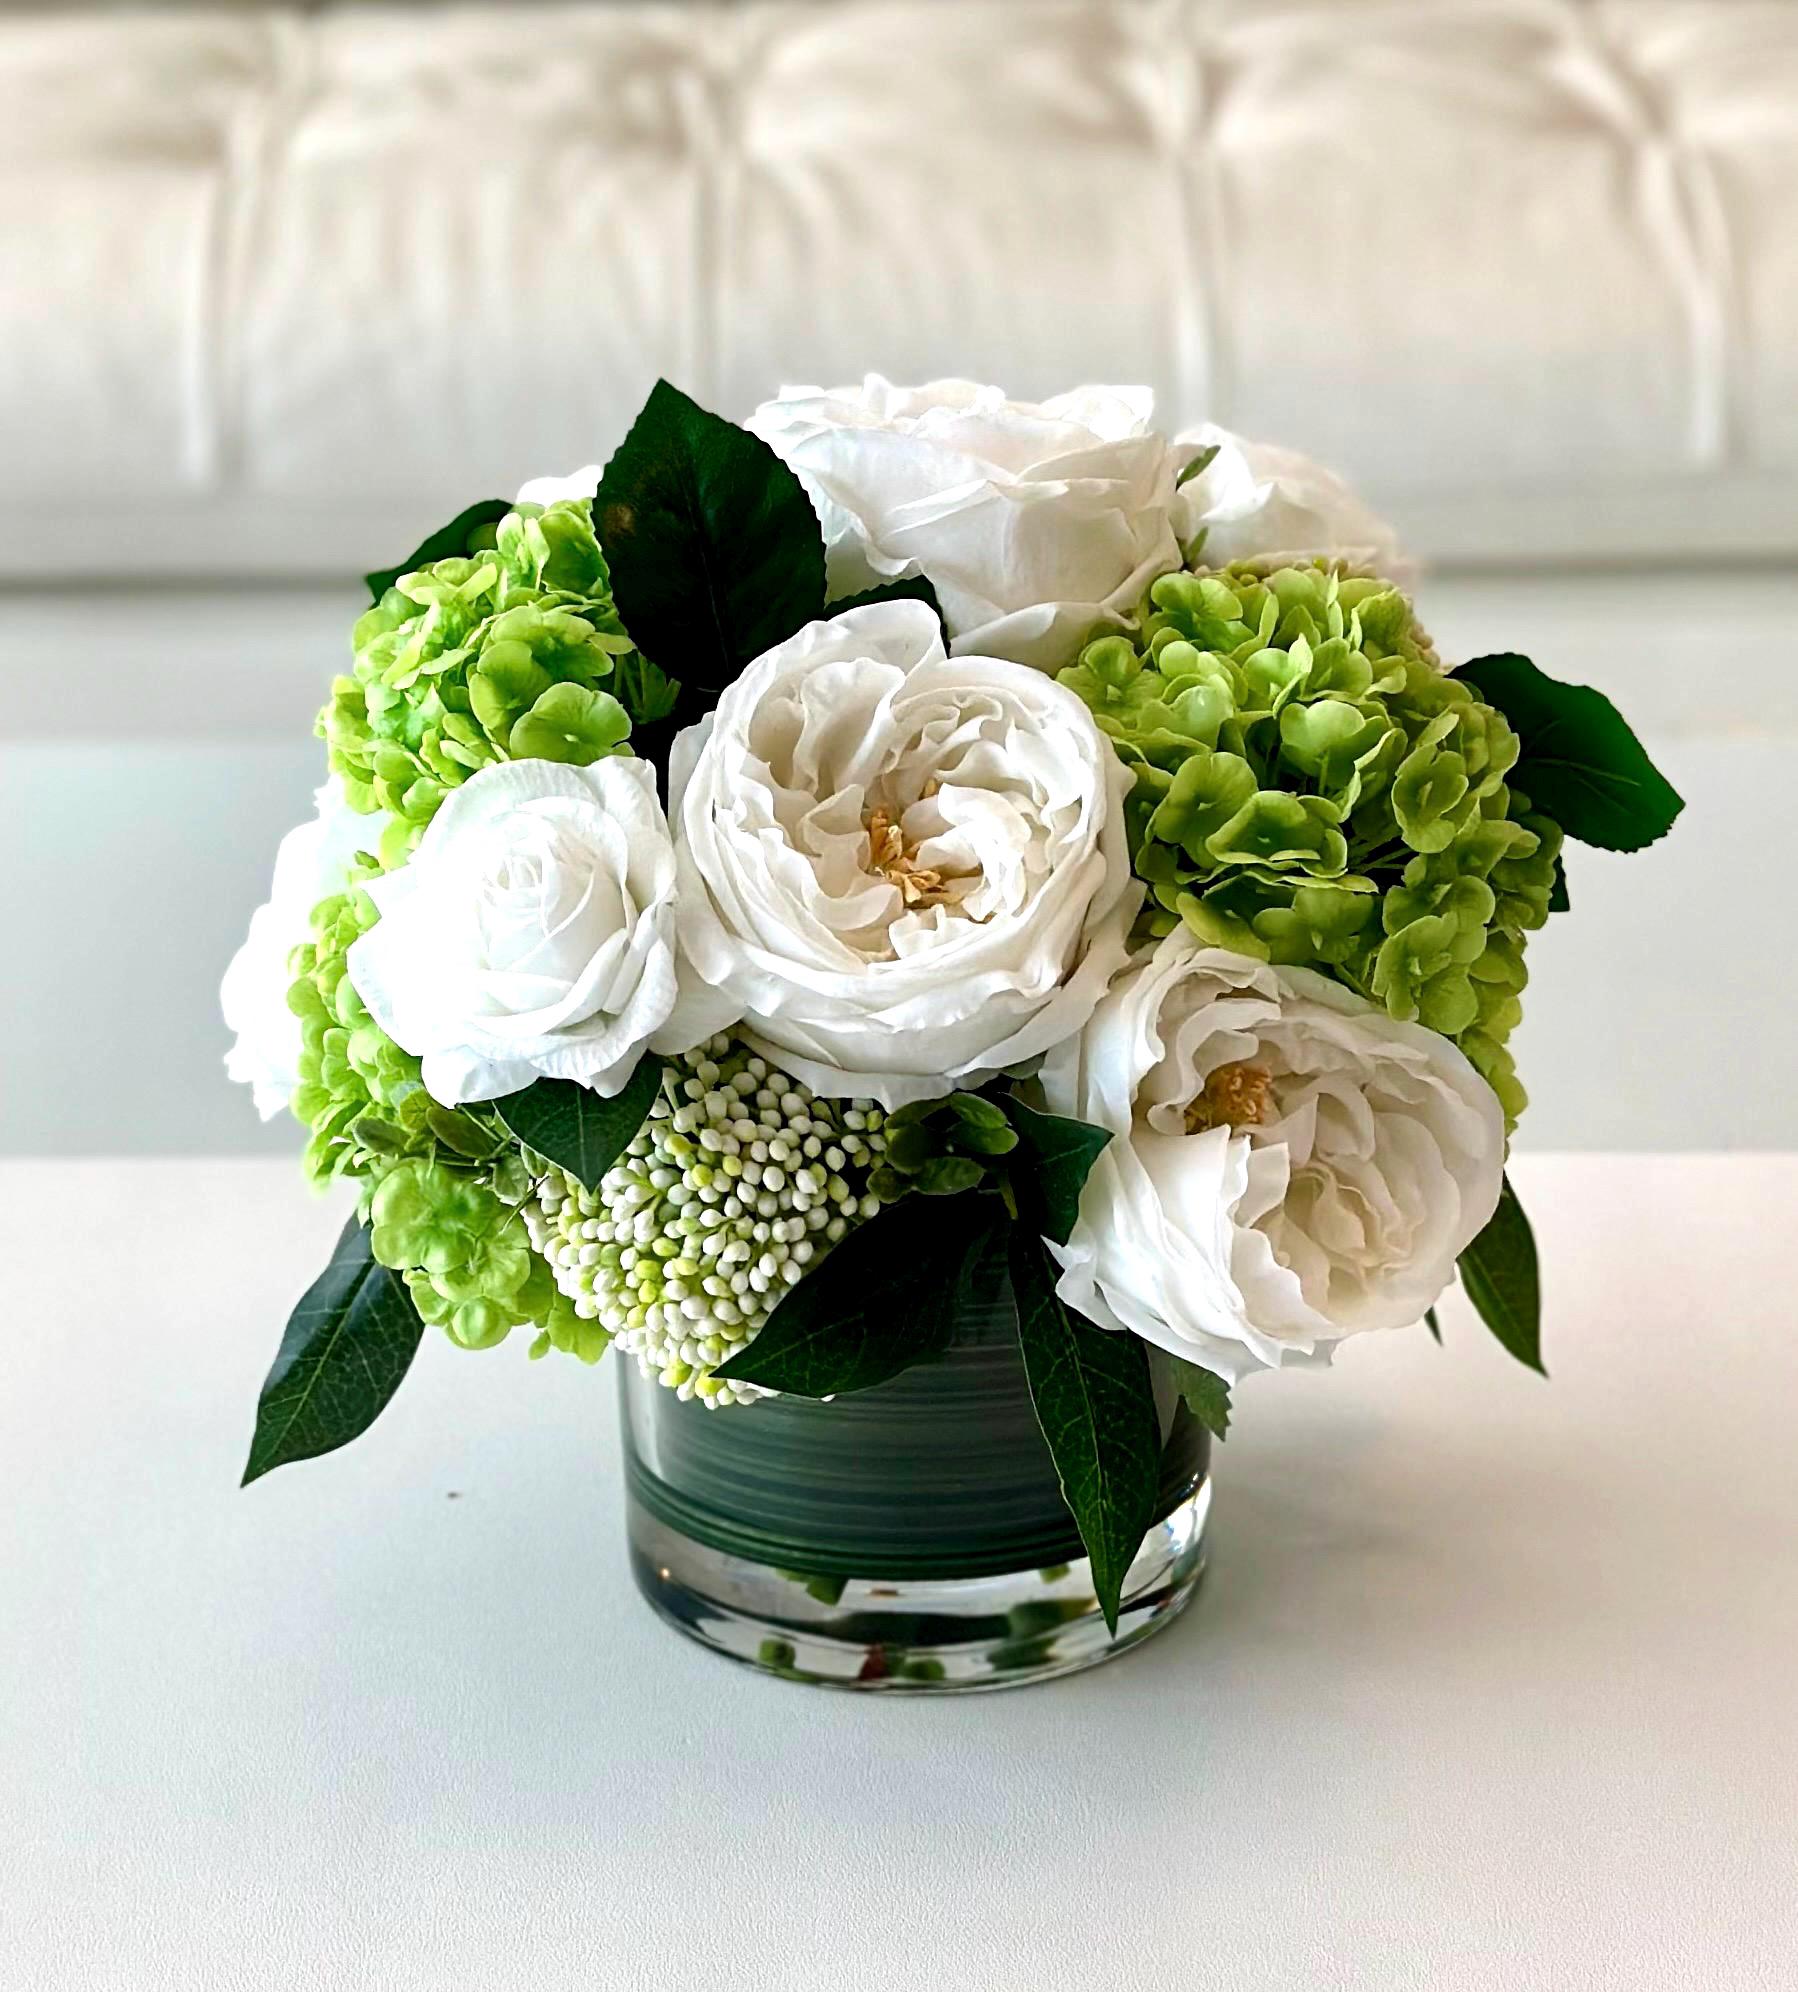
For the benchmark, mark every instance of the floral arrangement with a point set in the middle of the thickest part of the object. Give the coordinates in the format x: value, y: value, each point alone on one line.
x: 913, y: 850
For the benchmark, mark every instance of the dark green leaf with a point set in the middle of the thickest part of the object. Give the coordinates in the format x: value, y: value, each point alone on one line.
x: 1433, y: 1325
x: 715, y: 551
x: 888, y: 1296
x: 1580, y: 763
x: 1206, y: 1396
x: 1499, y: 1272
x: 911, y: 588
x: 1095, y: 1401
x: 1199, y: 464
x: 457, y: 537
x: 348, y: 1345
x: 1055, y: 1158
x: 653, y: 740
x: 574, y: 1127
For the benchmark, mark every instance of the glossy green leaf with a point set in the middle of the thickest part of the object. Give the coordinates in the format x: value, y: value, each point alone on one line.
x: 1095, y: 1402
x: 1433, y: 1325
x: 888, y: 1296
x: 715, y: 552
x: 1500, y: 1274
x: 577, y: 1129
x: 1204, y: 1394
x: 347, y: 1347
x: 1054, y: 1158
x: 1580, y: 763
x: 457, y: 537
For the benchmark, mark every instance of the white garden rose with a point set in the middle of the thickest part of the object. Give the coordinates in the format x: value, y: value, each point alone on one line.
x: 1295, y: 1165
x: 1037, y: 523
x: 1254, y: 501
x: 311, y: 864
x: 548, y: 491
x: 531, y: 934
x: 900, y: 873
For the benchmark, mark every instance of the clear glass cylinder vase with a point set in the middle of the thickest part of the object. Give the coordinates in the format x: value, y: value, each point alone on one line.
x: 907, y: 1538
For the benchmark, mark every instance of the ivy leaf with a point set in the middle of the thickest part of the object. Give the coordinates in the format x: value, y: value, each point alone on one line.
x: 347, y: 1346
x: 888, y: 1296
x: 1580, y: 764
x: 574, y: 1127
x: 1061, y: 1153
x: 909, y: 588
x: 715, y: 551
x: 1095, y: 1402
x: 456, y: 537
x: 1500, y: 1274
x: 1206, y: 1396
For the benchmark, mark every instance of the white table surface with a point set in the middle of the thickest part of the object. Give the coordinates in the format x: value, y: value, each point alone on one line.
x: 1493, y: 1682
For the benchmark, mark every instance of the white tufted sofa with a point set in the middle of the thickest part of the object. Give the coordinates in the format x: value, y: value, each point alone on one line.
x: 281, y: 288
x: 275, y: 283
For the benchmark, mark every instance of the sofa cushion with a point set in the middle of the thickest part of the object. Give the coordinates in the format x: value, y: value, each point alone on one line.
x: 281, y: 287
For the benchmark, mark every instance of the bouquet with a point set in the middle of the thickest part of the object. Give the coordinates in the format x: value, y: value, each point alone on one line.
x: 912, y: 853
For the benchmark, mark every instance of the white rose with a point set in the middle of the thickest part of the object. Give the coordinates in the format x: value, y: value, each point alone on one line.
x: 531, y: 934
x: 312, y: 864
x: 1296, y: 1166
x: 552, y: 490
x: 1036, y: 522
x: 1255, y: 502
x: 901, y: 874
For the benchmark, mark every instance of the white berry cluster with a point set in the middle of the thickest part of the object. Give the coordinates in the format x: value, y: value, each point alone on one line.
x: 737, y: 1182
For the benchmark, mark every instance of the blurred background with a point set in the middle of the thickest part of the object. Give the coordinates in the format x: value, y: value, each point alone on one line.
x: 282, y: 288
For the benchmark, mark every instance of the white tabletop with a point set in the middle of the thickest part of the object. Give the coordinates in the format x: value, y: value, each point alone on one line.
x: 1493, y: 1682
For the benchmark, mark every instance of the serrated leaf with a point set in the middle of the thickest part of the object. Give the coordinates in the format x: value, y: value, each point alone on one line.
x: 1500, y: 1273
x: 574, y: 1127
x: 1054, y: 1159
x: 1095, y: 1402
x: 1580, y: 763
x: 1204, y: 1394
x: 909, y: 588
x: 888, y: 1296
x: 715, y: 551
x: 347, y: 1347
x: 446, y: 540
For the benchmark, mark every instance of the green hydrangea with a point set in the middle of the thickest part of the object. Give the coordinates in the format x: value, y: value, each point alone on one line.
x: 360, y: 1097
x: 511, y: 651
x: 1312, y: 789
x: 458, y: 1235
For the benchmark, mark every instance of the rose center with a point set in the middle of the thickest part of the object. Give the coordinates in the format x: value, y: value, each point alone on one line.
x: 1233, y: 1096
x: 892, y: 857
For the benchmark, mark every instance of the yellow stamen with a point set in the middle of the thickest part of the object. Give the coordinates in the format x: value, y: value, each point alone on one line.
x: 919, y: 885
x: 1234, y: 1096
